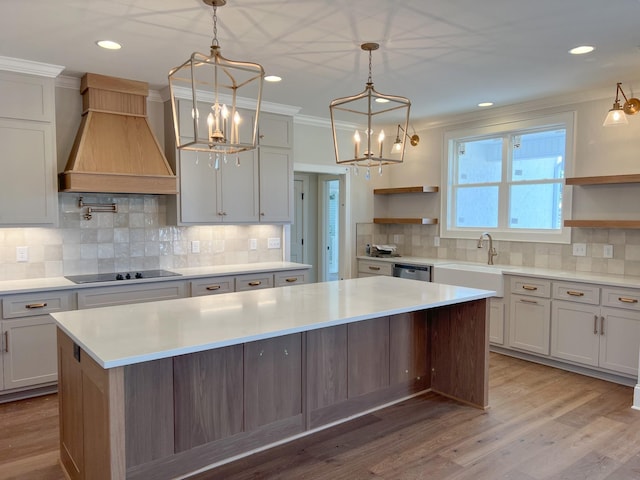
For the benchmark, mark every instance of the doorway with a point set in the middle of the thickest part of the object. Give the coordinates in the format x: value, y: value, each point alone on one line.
x: 329, y: 201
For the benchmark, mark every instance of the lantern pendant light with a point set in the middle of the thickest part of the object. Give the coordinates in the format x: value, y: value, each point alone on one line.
x: 358, y: 123
x: 216, y: 101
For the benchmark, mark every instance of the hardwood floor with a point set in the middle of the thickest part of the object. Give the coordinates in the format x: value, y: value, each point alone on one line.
x: 543, y: 424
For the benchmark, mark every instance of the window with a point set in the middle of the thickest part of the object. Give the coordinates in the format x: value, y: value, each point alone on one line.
x: 508, y: 180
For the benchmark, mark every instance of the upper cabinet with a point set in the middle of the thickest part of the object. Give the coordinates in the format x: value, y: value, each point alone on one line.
x: 403, y: 199
x: 253, y: 187
x: 605, y: 220
x: 28, y: 190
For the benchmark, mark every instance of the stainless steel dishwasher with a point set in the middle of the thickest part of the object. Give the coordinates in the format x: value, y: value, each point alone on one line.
x: 415, y: 272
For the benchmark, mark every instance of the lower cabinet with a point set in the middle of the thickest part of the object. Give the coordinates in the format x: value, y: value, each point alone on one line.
x: 29, y: 351
x: 131, y: 293
x: 496, y: 320
x: 529, y: 323
x: 596, y: 336
x: 28, y: 338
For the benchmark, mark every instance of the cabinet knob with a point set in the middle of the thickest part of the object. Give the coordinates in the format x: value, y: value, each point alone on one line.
x: 286, y: 352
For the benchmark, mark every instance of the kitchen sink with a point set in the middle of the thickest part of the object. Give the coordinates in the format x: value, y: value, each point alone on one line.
x: 486, y: 277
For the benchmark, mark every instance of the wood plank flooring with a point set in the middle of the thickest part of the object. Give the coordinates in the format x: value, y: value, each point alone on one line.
x: 543, y: 424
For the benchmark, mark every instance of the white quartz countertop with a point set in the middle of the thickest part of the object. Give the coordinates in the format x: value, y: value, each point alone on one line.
x: 60, y: 283
x: 553, y: 274
x: 128, y: 334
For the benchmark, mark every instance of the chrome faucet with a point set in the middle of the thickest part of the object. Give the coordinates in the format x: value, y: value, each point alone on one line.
x: 491, y: 252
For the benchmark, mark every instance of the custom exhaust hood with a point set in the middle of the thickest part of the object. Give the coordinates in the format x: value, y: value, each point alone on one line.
x: 115, y: 150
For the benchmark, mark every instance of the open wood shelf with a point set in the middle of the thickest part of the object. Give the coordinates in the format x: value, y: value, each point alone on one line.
x: 418, y: 189
x: 603, y: 223
x: 603, y: 180
x: 413, y: 221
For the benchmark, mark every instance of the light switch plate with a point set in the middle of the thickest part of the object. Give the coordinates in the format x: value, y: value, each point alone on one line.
x: 436, y: 241
x: 579, y: 249
x: 253, y: 244
x: 607, y: 251
x: 22, y: 254
x: 195, y: 246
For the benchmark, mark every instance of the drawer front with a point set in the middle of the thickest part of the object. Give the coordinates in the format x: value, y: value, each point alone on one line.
x: 31, y: 304
x: 294, y: 277
x: 531, y: 286
x: 628, y: 298
x: 375, y: 268
x: 212, y: 286
x: 576, y: 292
x: 127, y: 294
x: 254, y: 282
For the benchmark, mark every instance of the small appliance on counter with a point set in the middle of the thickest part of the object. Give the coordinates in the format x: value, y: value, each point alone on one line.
x: 383, y: 251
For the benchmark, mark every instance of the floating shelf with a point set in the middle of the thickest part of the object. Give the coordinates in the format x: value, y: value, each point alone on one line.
x: 603, y: 223
x: 418, y: 189
x: 412, y: 221
x: 603, y: 180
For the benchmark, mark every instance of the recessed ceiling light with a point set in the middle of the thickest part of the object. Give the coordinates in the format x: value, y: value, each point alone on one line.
x: 272, y: 78
x: 581, y: 50
x: 109, y: 44
x: 485, y: 104
x: 382, y: 100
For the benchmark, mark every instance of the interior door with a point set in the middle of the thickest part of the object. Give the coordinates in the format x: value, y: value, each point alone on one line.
x: 330, y: 202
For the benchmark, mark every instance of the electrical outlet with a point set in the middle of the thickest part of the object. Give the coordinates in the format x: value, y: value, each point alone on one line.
x: 607, y: 251
x: 579, y: 249
x: 436, y: 241
x: 273, y: 242
x: 195, y: 246
x: 253, y: 244
x: 22, y: 254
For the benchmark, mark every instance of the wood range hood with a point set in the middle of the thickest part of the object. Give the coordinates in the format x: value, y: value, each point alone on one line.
x: 115, y: 150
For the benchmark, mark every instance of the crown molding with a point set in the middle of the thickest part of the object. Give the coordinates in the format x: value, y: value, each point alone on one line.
x: 19, y: 65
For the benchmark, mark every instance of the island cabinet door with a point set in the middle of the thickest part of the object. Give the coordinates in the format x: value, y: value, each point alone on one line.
x: 408, y: 352
x: 368, y: 347
x: 273, y: 382
x: 208, y: 396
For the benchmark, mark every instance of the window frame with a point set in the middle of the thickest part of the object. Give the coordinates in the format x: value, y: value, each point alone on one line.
x: 507, y: 130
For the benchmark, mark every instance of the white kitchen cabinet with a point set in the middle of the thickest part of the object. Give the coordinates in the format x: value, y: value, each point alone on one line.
x: 275, y: 130
x: 602, y: 337
x: 130, y: 293
x: 370, y: 268
x: 276, y: 185
x: 212, y: 286
x: 290, y: 277
x: 28, y: 185
x: 228, y: 194
x: 29, y: 351
x: 29, y: 338
x: 496, y: 320
x: 254, y: 281
x: 529, y: 315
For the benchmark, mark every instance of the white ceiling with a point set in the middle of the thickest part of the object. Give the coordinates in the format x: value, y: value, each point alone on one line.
x: 444, y: 55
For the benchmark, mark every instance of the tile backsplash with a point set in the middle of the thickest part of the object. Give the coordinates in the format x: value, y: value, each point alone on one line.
x: 137, y: 237
x: 418, y: 240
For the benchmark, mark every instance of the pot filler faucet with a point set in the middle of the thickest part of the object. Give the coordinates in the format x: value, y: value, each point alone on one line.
x: 491, y: 252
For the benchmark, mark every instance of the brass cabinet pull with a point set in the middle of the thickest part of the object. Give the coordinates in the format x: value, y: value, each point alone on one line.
x: 524, y: 300
x: 627, y: 300
x: 31, y: 306
x: 602, y: 325
x: 529, y: 287
x: 291, y: 279
x: 255, y: 283
x: 214, y: 287
x: 374, y: 268
x: 6, y: 341
x: 575, y: 294
x: 595, y: 324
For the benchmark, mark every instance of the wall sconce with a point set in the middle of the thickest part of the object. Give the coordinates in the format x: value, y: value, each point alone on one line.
x: 618, y: 115
x: 414, y: 139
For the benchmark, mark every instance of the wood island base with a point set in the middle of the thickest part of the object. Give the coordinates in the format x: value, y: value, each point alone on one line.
x: 166, y: 418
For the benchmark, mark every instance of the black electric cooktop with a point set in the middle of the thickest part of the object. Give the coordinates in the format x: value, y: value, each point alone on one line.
x: 111, y: 277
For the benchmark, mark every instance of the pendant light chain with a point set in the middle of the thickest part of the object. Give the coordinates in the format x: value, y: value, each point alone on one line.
x: 370, y: 80
x: 214, y: 42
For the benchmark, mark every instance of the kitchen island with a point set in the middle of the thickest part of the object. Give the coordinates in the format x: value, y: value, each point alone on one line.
x: 163, y: 389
